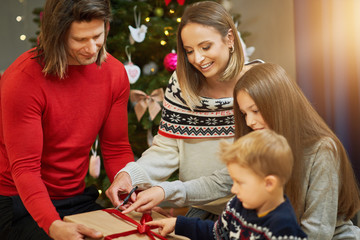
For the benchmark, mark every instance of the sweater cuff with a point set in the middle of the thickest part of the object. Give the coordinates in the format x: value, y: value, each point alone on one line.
x: 137, y: 175
x: 180, y: 226
x: 174, y: 192
x: 47, y: 224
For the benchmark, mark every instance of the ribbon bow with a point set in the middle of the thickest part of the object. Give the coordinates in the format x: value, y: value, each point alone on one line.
x: 142, y: 228
x: 181, y: 2
x: 144, y: 101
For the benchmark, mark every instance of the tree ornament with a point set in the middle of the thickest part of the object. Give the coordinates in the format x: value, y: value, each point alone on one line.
x: 138, y: 33
x: 150, y: 68
x: 170, y: 61
x: 133, y: 71
x: 159, y: 12
x: 95, y: 163
x: 181, y: 2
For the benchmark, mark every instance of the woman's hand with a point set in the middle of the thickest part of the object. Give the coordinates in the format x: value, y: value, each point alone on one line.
x: 146, y: 200
x: 60, y: 230
x: 122, y: 183
x: 166, y: 225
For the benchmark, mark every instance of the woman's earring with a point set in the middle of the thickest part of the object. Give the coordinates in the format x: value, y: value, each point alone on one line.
x: 232, y: 49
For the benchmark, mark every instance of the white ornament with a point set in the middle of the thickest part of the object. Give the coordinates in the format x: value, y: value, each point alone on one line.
x: 133, y: 71
x: 138, y: 32
x: 95, y: 163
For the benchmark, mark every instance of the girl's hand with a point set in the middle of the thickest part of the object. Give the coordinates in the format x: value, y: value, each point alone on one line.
x: 166, y: 225
x: 146, y: 200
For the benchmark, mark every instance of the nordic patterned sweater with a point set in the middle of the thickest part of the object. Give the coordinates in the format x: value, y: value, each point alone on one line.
x: 237, y: 222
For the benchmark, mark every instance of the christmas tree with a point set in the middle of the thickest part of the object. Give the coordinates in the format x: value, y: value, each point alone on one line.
x: 144, y: 32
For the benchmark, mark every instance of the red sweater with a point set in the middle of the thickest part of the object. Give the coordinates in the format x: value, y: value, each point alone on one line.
x: 48, y: 125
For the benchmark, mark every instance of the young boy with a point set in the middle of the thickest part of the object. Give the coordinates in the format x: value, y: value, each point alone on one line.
x: 260, y: 164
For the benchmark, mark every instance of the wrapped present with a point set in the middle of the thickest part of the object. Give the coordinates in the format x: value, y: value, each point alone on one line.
x: 115, y: 225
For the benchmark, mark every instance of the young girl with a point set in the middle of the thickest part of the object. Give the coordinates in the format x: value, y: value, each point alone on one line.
x: 197, y: 114
x: 322, y: 188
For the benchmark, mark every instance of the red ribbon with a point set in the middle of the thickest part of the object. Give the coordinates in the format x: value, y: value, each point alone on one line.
x: 142, y: 228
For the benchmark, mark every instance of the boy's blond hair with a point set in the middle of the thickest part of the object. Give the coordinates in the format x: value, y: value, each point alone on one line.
x: 263, y: 151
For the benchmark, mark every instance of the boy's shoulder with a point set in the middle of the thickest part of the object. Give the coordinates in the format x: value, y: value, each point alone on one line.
x: 281, y: 222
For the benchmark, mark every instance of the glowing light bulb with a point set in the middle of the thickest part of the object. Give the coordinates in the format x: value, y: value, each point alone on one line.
x: 166, y: 32
x: 171, y: 11
x: 178, y: 19
x: 22, y: 37
x: 147, y: 19
x: 19, y: 18
x: 163, y: 42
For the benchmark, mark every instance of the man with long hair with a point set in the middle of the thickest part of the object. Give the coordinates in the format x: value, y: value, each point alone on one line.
x: 55, y: 100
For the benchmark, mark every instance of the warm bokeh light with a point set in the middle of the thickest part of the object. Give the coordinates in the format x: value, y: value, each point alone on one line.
x: 19, y: 18
x: 147, y: 19
x: 163, y: 42
x: 178, y: 19
x: 22, y: 37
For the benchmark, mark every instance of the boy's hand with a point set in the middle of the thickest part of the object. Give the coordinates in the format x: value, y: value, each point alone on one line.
x: 146, y: 200
x: 166, y: 226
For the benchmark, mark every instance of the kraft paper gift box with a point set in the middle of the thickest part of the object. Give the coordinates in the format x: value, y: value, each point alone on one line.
x: 110, y: 224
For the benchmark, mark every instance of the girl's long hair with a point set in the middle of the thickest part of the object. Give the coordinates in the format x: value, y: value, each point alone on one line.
x: 287, y: 111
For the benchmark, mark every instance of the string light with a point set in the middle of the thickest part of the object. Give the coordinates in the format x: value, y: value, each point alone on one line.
x: 163, y: 42
x: 166, y: 32
x: 178, y: 20
x: 19, y: 18
x: 171, y: 11
x: 22, y: 37
x: 147, y: 19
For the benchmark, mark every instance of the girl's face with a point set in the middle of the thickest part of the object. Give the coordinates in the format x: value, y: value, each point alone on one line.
x: 206, y: 49
x: 250, y: 111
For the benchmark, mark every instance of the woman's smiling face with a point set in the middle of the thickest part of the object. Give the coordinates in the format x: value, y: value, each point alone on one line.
x: 206, y: 49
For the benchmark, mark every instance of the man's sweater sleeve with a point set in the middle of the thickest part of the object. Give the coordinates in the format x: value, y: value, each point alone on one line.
x: 194, y: 228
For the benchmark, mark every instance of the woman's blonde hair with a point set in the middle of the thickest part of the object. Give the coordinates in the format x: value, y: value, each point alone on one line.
x: 58, y: 15
x: 287, y: 111
x: 264, y: 152
x: 208, y: 14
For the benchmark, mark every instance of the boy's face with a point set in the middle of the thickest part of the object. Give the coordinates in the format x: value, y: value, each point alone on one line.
x: 248, y: 187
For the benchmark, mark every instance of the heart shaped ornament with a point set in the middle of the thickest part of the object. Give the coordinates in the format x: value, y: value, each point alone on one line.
x: 133, y: 72
x: 94, y: 166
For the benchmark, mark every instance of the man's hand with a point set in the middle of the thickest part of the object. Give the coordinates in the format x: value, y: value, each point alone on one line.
x: 166, y: 226
x: 122, y: 183
x: 146, y: 200
x: 60, y: 230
